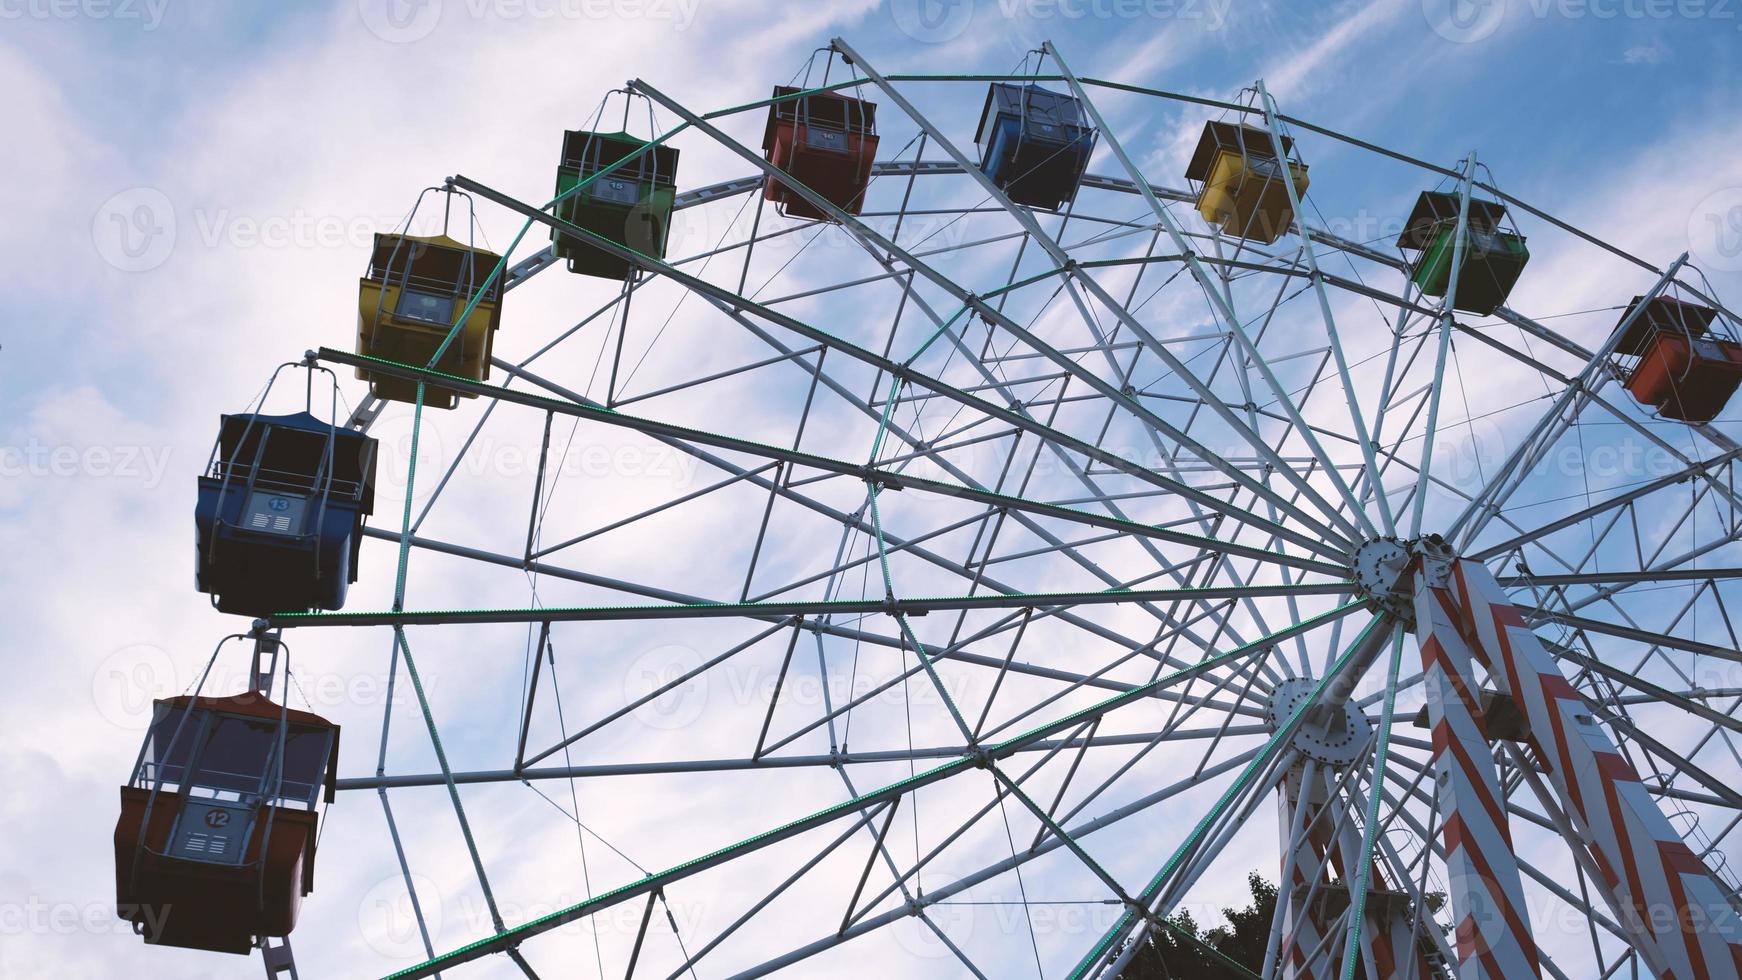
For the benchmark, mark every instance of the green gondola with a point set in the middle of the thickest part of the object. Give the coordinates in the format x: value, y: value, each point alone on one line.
x: 631, y: 205
x: 1494, y: 257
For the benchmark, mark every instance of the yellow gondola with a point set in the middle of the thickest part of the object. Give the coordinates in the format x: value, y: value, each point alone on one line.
x: 1241, y: 188
x: 408, y: 302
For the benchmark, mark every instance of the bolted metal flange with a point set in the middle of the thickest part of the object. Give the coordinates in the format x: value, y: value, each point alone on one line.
x: 1332, y: 734
x: 1384, y: 570
x: 1381, y: 569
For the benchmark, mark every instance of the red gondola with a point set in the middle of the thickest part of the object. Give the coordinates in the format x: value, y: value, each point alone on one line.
x: 1678, y: 360
x: 215, y: 847
x: 825, y: 141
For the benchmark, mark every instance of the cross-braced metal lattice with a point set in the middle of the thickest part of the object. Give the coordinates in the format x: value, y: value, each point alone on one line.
x: 1107, y: 537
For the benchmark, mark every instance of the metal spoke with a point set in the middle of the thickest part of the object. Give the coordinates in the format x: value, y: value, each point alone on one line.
x: 1071, y: 497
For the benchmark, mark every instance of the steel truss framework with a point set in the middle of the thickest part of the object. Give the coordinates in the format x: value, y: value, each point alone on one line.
x: 1116, y: 471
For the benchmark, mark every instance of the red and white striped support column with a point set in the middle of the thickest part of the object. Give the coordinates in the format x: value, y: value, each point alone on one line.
x: 1406, y: 941
x: 1385, y: 938
x: 1375, y: 936
x: 1295, y: 802
x: 1661, y: 891
x: 1493, y: 929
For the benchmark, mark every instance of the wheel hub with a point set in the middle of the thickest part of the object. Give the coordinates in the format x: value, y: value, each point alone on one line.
x: 1382, y: 571
x: 1332, y: 734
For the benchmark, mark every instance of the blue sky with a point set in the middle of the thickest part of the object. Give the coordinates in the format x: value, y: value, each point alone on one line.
x: 1547, y: 88
x: 262, y: 144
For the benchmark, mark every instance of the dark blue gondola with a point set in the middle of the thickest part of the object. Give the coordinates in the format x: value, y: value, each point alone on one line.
x: 1034, y: 144
x: 280, y: 514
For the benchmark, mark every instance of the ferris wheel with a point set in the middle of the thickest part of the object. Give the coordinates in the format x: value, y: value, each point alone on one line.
x: 1102, y: 535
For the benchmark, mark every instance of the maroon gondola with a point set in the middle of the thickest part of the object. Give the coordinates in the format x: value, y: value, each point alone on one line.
x: 215, y: 847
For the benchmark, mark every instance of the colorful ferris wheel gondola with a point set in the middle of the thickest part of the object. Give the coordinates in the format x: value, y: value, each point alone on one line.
x: 280, y: 513
x: 825, y: 140
x: 624, y: 201
x: 220, y: 818
x: 410, y: 301
x: 1034, y: 143
x: 1493, y: 252
x: 1238, y: 174
x: 1679, y: 358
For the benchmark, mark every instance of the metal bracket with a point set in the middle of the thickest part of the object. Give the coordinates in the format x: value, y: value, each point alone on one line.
x: 364, y: 415
x: 1434, y: 553
x: 280, y: 962
x: 265, y: 664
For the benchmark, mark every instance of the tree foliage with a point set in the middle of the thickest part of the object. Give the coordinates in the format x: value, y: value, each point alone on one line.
x: 1183, y: 951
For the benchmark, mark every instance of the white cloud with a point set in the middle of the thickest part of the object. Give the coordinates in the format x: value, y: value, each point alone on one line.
x: 275, y: 174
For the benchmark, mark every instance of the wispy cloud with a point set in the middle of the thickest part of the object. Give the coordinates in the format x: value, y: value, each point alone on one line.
x: 1645, y: 54
x: 1306, y: 72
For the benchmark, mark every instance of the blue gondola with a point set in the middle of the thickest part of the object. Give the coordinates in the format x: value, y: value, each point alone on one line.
x: 1034, y: 144
x: 280, y: 515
